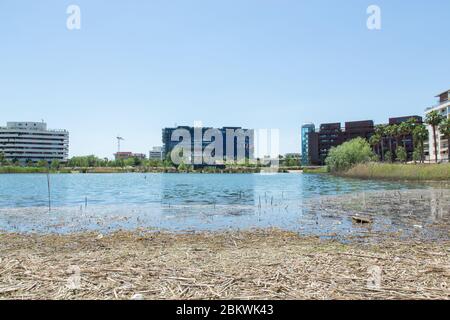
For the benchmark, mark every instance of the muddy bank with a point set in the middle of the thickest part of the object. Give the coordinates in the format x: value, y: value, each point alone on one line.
x: 268, y: 264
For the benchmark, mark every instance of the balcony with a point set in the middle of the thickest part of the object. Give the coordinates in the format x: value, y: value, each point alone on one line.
x: 441, y: 103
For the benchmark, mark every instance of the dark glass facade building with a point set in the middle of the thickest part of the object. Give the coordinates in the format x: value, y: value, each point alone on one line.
x: 306, y: 130
x: 333, y: 134
x: 234, y: 139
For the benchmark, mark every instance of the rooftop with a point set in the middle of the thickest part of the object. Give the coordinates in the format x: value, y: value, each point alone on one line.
x: 440, y: 94
x: 30, y: 126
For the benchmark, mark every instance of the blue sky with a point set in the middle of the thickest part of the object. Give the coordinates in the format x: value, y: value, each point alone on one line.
x: 137, y: 66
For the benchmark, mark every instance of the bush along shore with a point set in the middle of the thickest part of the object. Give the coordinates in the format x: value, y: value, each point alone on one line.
x: 355, y: 159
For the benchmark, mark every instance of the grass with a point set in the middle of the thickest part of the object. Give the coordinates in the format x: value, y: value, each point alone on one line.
x: 315, y: 170
x: 390, y: 171
x: 17, y: 169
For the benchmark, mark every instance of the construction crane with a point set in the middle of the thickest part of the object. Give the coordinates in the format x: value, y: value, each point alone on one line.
x: 118, y: 143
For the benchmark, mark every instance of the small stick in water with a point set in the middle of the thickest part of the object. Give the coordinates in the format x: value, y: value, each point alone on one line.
x: 48, y: 187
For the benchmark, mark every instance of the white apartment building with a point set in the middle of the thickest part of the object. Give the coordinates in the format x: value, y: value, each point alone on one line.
x: 32, y: 141
x: 443, y: 107
x: 156, y: 153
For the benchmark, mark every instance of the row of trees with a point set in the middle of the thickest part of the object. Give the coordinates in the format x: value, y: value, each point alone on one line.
x: 93, y: 161
x: 55, y: 164
x: 409, y: 128
x: 87, y: 161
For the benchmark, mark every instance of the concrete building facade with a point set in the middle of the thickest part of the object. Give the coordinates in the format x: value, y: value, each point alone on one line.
x: 442, y: 144
x: 156, y: 154
x: 32, y: 141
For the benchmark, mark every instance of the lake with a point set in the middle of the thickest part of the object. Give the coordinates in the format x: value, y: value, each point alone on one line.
x: 306, y: 203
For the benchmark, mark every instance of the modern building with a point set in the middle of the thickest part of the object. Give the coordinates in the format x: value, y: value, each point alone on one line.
x: 156, y: 154
x: 443, y: 107
x: 307, y: 128
x: 129, y: 155
x: 32, y: 141
x: 332, y: 135
x: 234, y: 139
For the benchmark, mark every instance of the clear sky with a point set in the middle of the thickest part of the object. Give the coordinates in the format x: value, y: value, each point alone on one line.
x: 137, y: 66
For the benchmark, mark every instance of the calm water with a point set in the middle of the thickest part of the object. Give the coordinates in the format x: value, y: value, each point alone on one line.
x: 184, y: 202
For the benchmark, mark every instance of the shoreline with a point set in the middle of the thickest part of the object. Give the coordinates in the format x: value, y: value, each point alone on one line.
x: 257, y: 264
x: 399, y: 172
x: 110, y: 170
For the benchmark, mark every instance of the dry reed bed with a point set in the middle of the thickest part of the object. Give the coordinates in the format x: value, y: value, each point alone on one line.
x: 261, y: 264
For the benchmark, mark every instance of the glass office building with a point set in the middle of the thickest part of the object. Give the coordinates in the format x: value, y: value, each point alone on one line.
x: 306, y: 130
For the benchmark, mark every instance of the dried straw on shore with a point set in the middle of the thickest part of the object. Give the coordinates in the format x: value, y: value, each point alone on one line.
x: 268, y: 264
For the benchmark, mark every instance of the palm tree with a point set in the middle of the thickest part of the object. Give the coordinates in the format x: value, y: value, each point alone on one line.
x: 397, y: 133
x: 420, y: 135
x: 433, y: 119
x: 374, y: 141
x: 412, y: 124
x: 444, y: 129
x: 404, y: 129
x: 380, y: 130
x: 390, y: 131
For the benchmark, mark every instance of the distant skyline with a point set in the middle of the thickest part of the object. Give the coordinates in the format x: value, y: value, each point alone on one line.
x: 135, y: 67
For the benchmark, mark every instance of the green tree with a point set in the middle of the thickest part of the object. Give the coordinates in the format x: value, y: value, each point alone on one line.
x: 412, y: 124
x: 182, y: 167
x: 416, y: 156
x: 137, y: 162
x: 289, y: 161
x: 404, y: 130
x: 2, y: 158
x: 444, y: 129
x: 420, y: 134
x: 402, y: 156
x: 390, y: 131
x: 374, y: 141
x: 388, y: 156
x: 380, y: 130
x: 434, y: 119
x: 55, y: 164
x: 128, y: 162
x: 348, y: 154
x: 42, y: 163
x: 397, y: 132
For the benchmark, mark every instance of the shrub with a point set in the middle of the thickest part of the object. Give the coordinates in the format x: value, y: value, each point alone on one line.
x: 402, y: 156
x: 348, y: 154
x: 416, y: 156
x: 388, y: 156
